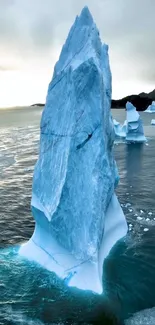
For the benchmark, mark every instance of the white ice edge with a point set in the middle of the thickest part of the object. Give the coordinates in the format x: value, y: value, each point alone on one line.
x: 137, y: 138
x: 85, y: 275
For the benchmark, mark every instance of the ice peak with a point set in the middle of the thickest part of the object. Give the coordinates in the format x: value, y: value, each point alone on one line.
x: 75, y: 49
x: 132, y: 114
x: 129, y: 106
x: 85, y: 17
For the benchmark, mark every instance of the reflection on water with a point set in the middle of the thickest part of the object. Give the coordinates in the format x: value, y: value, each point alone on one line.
x: 134, y: 159
x: 136, y: 190
x: 134, y: 165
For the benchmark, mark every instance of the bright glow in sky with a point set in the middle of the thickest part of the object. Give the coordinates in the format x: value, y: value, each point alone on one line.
x: 22, y: 87
x: 27, y: 85
x: 32, y: 33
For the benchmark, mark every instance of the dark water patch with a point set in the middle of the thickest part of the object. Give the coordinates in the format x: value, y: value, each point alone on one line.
x: 128, y: 274
x: 33, y: 293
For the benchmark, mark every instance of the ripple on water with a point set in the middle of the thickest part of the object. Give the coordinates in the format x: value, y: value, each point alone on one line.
x: 31, y: 294
x: 28, y: 289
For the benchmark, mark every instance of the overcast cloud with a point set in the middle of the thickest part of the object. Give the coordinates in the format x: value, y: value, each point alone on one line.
x: 32, y: 30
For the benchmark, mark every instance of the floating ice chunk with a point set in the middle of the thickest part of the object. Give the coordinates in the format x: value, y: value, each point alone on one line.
x: 128, y: 205
x: 120, y: 130
x: 130, y: 227
x: 146, y: 229
x: 153, y: 122
x: 117, y: 127
x: 78, y: 217
x: 151, y: 108
x: 135, y: 132
x: 139, y: 218
x: 116, y: 123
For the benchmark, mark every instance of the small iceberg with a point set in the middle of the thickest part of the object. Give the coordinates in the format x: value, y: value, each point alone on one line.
x: 120, y: 130
x: 153, y: 122
x: 151, y: 108
x: 135, y: 131
x: 124, y: 127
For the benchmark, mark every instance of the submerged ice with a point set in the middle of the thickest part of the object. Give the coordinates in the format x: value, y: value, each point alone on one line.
x: 78, y: 217
x: 135, y: 131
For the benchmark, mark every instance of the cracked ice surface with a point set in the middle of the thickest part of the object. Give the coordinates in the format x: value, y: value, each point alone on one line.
x: 78, y: 217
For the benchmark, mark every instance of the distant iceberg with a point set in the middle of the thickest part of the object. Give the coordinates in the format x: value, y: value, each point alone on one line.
x: 151, y: 108
x: 78, y: 217
x: 120, y: 130
x: 135, y: 131
x: 124, y: 127
x: 153, y: 122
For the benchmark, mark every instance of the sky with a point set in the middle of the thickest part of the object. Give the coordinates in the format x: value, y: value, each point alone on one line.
x: 32, y: 33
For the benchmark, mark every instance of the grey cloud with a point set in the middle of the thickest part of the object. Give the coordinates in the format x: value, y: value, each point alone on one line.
x: 42, y: 32
x: 23, y: 28
x: 126, y: 25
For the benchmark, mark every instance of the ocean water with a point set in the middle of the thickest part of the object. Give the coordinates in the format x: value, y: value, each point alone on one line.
x: 32, y: 295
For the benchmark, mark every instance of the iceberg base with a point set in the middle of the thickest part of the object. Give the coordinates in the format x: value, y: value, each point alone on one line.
x: 86, y: 275
x: 136, y: 138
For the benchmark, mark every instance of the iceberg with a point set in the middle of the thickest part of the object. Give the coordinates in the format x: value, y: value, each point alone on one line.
x: 151, y: 108
x: 120, y: 130
x: 153, y: 122
x: 124, y: 127
x: 135, y: 131
x: 78, y: 218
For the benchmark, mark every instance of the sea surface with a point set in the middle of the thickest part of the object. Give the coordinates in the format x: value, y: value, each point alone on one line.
x: 32, y: 295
